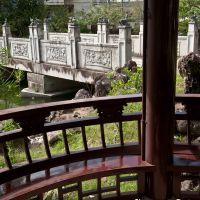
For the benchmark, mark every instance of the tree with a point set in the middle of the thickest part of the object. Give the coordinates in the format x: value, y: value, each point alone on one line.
x: 19, y: 13
x: 187, y: 8
x: 113, y: 12
x: 24, y: 10
x: 59, y: 17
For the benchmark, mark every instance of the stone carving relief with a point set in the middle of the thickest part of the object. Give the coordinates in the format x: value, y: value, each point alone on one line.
x: 88, y: 40
x: 115, y: 40
x: 98, y: 58
x: 56, y: 54
x: 57, y: 38
x: 1, y: 44
x: 20, y: 50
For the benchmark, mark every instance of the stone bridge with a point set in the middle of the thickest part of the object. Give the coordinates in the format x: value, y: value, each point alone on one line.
x: 52, y: 58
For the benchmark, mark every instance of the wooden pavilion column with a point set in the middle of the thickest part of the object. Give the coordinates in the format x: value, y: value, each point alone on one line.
x: 160, y: 72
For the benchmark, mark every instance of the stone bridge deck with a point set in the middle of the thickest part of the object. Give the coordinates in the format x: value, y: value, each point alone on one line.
x: 78, y: 57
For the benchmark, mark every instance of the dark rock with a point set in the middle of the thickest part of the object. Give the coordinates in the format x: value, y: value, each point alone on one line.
x: 186, y: 185
x: 194, y: 127
x: 37, y: 140
x: 102, y: 87
x: 119, y: 69
x: 189, y: 68
x: 132, y: 66
x: 197, y: 141
x: 82, y: 94
x: 120, y: 76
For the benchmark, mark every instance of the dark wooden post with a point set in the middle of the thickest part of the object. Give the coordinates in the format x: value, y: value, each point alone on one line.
x: 161, y: 50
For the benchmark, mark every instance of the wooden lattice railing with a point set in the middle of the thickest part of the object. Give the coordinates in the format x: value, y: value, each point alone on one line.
x: 66, y: 169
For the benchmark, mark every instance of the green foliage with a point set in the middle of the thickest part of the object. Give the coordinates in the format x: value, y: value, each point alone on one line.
x: 59, y: 17
x: 9, y: 125
x: 187, y: 8
x: 19, y: 14
x: 10, y: 89
x: 10, y: 82
x: 179, y: 84
x: 113, y: 13
x: 132, y: 86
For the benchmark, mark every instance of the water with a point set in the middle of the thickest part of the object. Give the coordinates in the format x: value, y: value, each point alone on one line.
x: 23, y: 101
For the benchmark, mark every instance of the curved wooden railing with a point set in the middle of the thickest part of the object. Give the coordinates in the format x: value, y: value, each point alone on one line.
x: 108, y: 110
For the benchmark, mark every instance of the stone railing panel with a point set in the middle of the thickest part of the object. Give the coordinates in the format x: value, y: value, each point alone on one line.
x: 1, y: 42
x: 58, y: 37
x: 55, y: 52
x: 113, y: 39
x: 89, y: 38
x: 20, y: 48
x: 102, y: 57
x: 135, y: 45
x: 182, y: 46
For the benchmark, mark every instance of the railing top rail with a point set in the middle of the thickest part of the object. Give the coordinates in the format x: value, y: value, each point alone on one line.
x: 69, y: 104
x: 109, y: 100
x: 188, y: 98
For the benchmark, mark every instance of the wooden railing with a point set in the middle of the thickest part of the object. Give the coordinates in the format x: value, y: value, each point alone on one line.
x: 94, y: 160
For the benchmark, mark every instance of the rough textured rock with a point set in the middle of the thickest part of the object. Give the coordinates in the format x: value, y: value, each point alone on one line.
x: 119, y: 69
x: 132, y: 65
x: 189, y: 68
x: 82, y: 94
x: 194, y: 126
x: 102, y: 86
x: 186, y: 185
x: 37, y: 140
x: 197, y: 141
x: 120, y: 76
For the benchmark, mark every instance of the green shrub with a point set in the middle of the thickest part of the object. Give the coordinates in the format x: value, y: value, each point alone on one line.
x: 132, y: 86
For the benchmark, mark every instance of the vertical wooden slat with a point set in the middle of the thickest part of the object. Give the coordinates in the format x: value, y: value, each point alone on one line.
x: 99, y: 188
x: 28, y: 178
x: 141, y: 183
x: 47, y: 173
x: 177, y: 184
x: 40, y: 197
x: 6, y: 156
x: 199, y: 185
x: 80, y: 197
x: 7, y: 187
x: 139, y: 132
x: 84, y: 138
x: 46, y: 145
x: 102, y: 136
x: 121, y: 133
x: 60, y: 193
x: 65, y: 142
x: 118, y: 184
x: 27, y: 152
x: 189, y: 132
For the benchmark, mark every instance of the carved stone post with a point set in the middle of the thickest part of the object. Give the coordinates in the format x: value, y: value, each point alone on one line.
x: 125, y: 42
x: 102, y: 30
x: 31, y: 39
x: 141, y: 38
x: 38, y: 34
x: 6, y: 33
x: 46, y: 28
x: 35, y: 34
x: 193, y: 35
x: 74, y: 38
